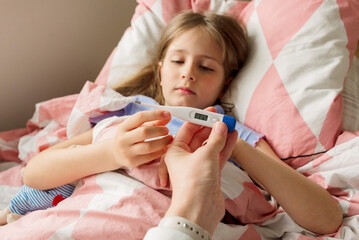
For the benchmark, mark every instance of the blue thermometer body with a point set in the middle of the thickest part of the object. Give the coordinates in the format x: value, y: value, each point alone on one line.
x: 197, y: 116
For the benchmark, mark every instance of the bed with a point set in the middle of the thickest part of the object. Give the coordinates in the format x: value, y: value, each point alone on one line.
x: 299, y: 87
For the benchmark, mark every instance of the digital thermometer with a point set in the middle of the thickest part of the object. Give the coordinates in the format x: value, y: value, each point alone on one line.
x: 197, y: 116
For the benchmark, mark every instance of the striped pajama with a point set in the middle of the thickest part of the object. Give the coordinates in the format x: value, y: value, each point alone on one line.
x: 29, y: 199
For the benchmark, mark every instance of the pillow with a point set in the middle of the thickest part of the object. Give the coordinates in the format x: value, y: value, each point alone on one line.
x: 351, y: 98
x: 300, y: 53
x: 289, y: 89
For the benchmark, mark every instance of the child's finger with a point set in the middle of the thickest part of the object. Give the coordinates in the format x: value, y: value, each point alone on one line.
x: 152, y: 145
x: 138, y: 119
x: 140, y: 159
x: 162, y: 122
x: 144, y: 133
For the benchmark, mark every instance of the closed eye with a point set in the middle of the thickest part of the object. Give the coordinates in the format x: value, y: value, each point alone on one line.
x: 205, y: 68
x: 177, y: 61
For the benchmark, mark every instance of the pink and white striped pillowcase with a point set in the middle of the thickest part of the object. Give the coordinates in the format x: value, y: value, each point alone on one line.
x: 290, y: 88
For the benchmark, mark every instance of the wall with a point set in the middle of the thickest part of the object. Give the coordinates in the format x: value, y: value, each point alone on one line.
x: 50, y: 48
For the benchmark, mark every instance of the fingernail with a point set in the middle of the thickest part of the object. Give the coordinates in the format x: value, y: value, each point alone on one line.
x: 220, y: 128
x: 163, y: 183
x: 166, y: 114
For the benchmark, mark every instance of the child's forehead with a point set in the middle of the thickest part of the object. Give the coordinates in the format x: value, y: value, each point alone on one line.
x: 197, y: 40
x: 190, y: 33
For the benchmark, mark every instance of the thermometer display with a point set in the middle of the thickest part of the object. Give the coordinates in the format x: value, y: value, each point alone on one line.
x: 201, y: 116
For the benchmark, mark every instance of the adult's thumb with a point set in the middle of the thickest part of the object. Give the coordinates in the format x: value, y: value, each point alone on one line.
x: 217, y: 139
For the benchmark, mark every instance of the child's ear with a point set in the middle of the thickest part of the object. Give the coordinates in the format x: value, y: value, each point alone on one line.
x: 160, y: 65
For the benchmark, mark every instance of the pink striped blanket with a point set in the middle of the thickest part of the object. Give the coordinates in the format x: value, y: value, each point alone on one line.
x: 115, y: 205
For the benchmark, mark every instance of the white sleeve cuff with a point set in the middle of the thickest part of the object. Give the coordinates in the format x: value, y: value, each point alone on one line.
x: 173, y: 227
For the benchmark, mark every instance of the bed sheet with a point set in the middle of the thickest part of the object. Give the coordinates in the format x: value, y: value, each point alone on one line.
x: 114, y: 205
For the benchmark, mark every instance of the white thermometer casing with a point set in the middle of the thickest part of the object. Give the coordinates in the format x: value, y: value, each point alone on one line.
x: 197, y: 116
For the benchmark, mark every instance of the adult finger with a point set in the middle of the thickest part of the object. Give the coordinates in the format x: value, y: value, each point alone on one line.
x: 188, y: 130
x: 201, y: 135
x: 217, y: 139
x: 228, y: 148
x: 211, y: 109
x: 186, y: 133
x: 163, y: 172
x: 199, y: 138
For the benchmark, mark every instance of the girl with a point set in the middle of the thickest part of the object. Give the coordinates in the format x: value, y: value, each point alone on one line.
x: 198, y: 56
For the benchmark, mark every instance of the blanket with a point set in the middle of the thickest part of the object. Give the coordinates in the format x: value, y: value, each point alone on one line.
x: 116, y: 205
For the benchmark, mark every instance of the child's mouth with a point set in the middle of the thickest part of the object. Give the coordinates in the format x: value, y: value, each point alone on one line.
x: 185, y: 90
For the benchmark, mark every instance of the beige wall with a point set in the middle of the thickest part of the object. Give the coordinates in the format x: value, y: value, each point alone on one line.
x: 49, y: 48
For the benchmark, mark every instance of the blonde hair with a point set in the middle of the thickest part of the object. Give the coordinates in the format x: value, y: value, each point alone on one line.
x: 223, y: 29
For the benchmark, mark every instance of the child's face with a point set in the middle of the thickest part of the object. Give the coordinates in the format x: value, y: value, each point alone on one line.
x: 192, y: 72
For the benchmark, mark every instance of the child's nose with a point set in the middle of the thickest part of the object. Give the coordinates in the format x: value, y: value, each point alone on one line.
x: 188, y: 77
x: 189, y: 73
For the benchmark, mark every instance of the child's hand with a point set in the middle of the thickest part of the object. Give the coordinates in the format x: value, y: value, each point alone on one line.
x: 129, y: 147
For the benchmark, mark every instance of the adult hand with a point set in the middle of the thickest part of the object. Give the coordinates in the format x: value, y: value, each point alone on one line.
x: 194, y: 162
